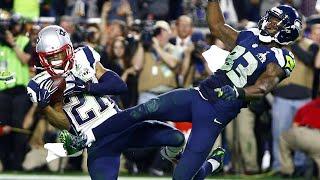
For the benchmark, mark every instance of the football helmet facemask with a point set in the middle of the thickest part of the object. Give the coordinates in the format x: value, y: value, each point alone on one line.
x: 55, y: 50
x: 287, y: 28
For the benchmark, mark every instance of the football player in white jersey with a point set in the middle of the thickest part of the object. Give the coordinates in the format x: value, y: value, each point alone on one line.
x: 86, y: 103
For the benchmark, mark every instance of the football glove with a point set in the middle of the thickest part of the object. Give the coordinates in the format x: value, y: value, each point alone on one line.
x: 41, y: 93
x: 79, y: 86
x: 45, y: 92
x: 227, y: 92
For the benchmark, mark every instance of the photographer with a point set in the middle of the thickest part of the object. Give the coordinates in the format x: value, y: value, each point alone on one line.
x: 156, y: 77
x: 88, y: 34
x: 159, y: 62
x: 15, y: 53
x: 199, y: 69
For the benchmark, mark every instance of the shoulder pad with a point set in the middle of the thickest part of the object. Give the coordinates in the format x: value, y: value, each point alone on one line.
x: 255, y: 31
x: 85, y: 63
x: 285, y: 59
x: 87, y: 54
x: 247, y: 34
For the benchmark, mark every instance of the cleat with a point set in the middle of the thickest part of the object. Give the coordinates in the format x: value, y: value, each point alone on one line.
x: 218, y: 155
x: 71, y: 143
x: 164, y: 155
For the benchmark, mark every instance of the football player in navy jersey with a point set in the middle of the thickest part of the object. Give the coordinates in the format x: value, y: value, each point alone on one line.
x: 86, y: 103
x: 256, y: 64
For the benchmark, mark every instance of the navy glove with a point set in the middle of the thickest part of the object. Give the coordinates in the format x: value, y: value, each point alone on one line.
x: 227, y: 92
x: 44, y: 93
x: 79, y: 87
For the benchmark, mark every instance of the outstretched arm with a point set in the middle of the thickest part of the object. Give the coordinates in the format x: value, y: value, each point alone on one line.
x: 109, y: 83
x: 218, y: 27
x: 265, y: 83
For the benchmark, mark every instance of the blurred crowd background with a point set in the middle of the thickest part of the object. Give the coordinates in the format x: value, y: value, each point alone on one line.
x: 155, y: 46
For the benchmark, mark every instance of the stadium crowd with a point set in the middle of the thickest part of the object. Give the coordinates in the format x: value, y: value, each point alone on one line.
x: 156, y: 46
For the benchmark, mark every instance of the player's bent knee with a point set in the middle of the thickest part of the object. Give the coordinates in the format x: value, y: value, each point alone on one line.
x: 179, y: 138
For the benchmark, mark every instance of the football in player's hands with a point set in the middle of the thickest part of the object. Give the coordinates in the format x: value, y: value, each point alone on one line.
x: 57, y: 96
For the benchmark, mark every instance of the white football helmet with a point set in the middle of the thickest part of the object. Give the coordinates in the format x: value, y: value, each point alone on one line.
x: 55, y: 50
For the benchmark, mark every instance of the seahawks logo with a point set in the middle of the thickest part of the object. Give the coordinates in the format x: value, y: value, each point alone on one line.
x: 290, y: 64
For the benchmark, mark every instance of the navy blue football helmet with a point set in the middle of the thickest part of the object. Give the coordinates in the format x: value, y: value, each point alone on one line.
x: 288, y: 27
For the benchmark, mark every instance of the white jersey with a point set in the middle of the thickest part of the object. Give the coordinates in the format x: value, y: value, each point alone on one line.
x: 84, y: 111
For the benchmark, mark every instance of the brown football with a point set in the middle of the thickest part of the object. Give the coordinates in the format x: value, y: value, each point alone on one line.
x: 60, y: 82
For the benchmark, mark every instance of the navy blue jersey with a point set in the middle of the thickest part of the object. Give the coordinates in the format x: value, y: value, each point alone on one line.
x: 246, y: 62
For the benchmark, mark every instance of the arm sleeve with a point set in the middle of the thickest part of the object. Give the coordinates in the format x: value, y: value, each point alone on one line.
x: 108, y: 84
x: 307, y: 57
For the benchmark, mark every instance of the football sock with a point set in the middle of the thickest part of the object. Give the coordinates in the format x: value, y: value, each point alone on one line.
x: 173, y: 151
x: 90, y: 137
x: 213, y: 163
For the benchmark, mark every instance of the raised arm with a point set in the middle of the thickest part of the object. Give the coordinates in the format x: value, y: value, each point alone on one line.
x: 266, y: 82
x: 218, y: 27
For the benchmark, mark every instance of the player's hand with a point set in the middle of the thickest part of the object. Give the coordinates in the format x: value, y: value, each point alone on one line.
x: 44, y: 93
x: 227, y: 92
x: 40, y: 93
x: 79, y: 86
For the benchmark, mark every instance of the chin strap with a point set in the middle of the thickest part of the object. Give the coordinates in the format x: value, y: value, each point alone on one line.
x: 265, y: 37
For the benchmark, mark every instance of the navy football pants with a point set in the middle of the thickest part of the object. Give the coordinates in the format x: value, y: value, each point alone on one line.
x: 182, y: 105
x: 104, y: 154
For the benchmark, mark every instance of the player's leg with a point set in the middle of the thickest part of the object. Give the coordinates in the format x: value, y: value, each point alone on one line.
x: 203, y: 135
x: 103, y: 161
x: 212, y: 165
x: 146, y: 134
x: 156, y: 134
x: 103, y: 166
x: 172, y: 106
x: 195, y: 153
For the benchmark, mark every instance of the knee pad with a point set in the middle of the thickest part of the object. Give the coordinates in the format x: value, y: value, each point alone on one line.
x: 179, y: 138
